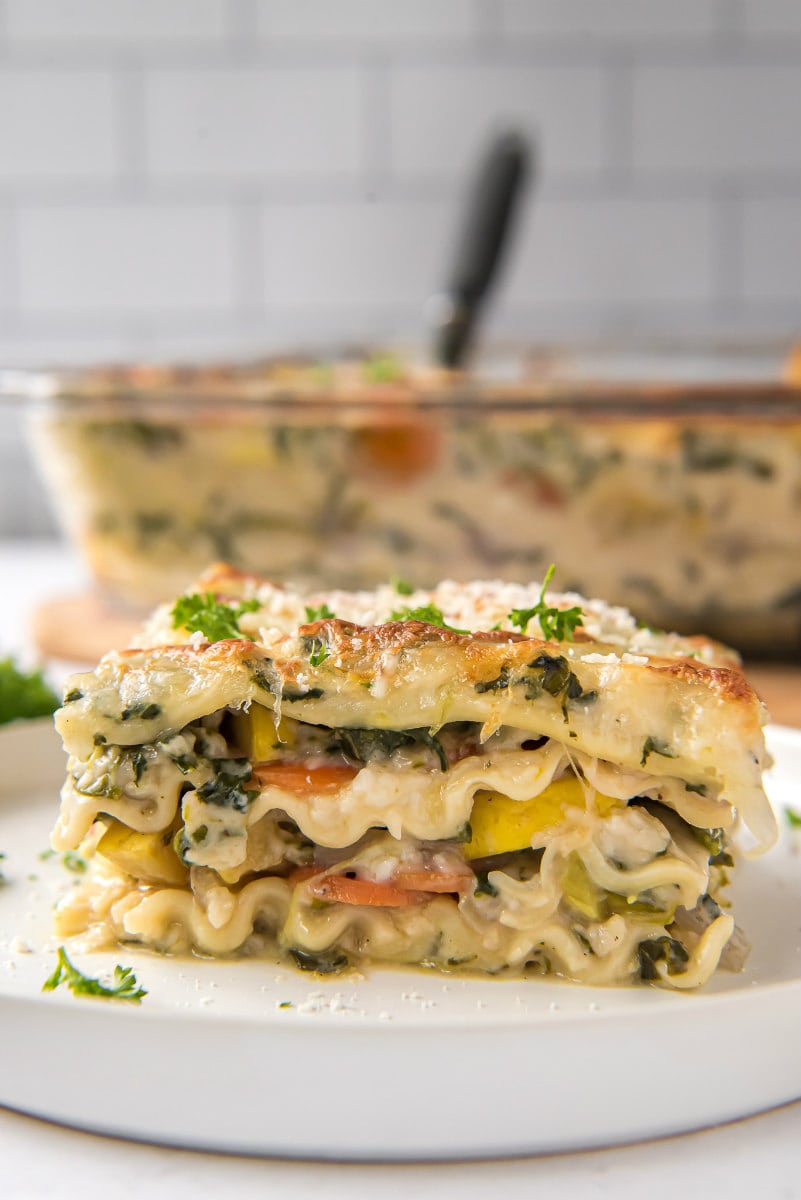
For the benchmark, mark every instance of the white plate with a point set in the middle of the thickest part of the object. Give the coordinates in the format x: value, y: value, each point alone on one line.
x: 399, y: 1065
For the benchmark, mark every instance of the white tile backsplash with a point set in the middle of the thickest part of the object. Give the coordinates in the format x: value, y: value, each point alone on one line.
x: 57, y: 124
x: 439, y: 117
x: 613, y: 253
x: 108, y: 261
x: 392, y: 255
x: 195, y: 177
x: 121, y: 22
x: 346, y: 22
x: 227, y: 125
x: 735, y: 119
x: 643, y: 20
x: 771, y: 250
x: 775, y: 18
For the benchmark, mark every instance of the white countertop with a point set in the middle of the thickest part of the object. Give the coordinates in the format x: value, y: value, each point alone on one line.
x: 755, y: 1157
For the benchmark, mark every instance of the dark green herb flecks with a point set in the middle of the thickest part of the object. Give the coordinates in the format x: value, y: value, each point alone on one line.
x: 324, y: 963
x: 137, y: 757
x: 292, y: 694
x: 498, y: 684
x: 546, y: 673
x: 226, y: 789
x: 147, y: 436
x: 203, y: 613
x: 552, y: 674
x: 661, y: 949
x: 72, y: 695
x: 141, y: 711
x: 123, y: 987
x: 698, y: 788
x: 366, y: 744
x: 655, y: 745
x: 483, y: 885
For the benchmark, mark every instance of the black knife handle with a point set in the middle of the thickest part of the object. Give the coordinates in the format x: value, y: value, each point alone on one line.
x: 484, y: 234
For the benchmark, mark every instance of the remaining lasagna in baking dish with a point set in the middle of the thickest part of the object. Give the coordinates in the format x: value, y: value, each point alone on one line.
x: 485, y: 776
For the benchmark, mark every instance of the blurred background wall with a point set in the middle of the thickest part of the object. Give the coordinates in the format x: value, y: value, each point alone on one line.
x: 182, y: 177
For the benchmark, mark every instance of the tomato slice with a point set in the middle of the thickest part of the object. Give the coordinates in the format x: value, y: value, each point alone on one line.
x: 440, y: 882
x: 343, y: 890
x: 305, y: 780
x: 398, y: 451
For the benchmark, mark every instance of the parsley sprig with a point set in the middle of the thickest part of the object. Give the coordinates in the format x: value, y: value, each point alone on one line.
x: 124, y: 986
x: 425, y: 612
x: 323, y: 613
x: 319, y: 652
x: 204, y: 613
x: 24, y: 695
x: 557, y: 624
x: 792, y: 815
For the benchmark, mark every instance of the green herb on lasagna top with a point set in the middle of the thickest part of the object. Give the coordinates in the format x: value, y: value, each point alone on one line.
x: 557, y: 624
x: 401, y: 586
x: 323, y: 613
x: 204, y: 613
x: 429, y: 613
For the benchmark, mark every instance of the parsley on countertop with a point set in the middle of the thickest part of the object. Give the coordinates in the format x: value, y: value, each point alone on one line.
x: 24, y: 695
x: 123, y: 987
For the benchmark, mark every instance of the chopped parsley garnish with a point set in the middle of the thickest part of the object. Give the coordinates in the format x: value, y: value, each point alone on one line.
x: 23, y: 696
x: 123, y: 987
x: 401, y: 586
x: 323, y: 613
x: 383, y: 368
x: 319, y: 652
x: 557, y: 624
x: 203, y: 613
x: 429, y: 613
x: 793, y: 817
x: 74, y: 862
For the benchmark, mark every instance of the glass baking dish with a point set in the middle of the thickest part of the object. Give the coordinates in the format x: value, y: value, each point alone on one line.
x: 664, y: 479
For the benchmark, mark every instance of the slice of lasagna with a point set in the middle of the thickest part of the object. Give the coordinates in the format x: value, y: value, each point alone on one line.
x: 484, y: 776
